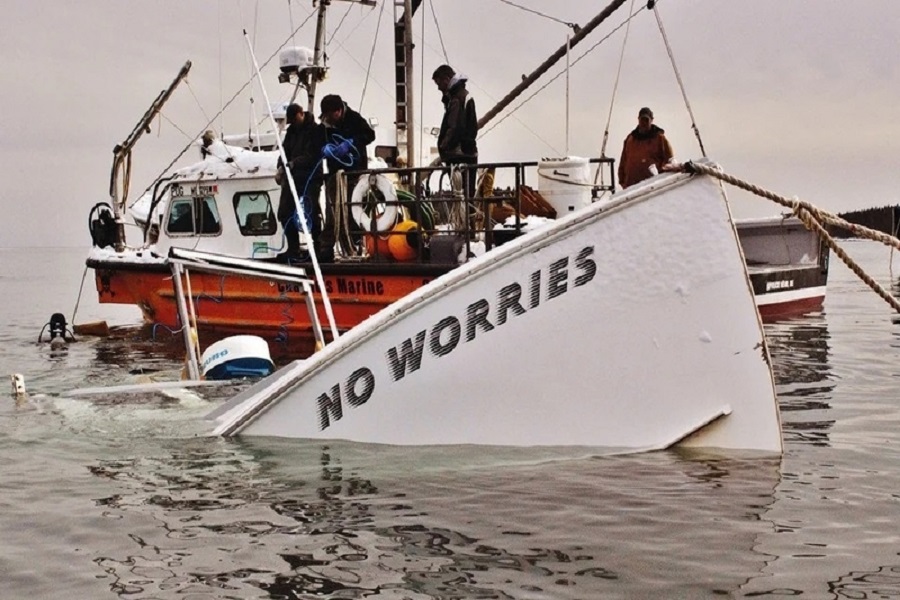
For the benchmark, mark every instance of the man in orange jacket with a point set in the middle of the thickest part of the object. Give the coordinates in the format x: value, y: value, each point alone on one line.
x: 645, y: 151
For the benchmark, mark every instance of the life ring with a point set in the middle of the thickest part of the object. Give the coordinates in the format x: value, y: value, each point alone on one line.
x: 374, y: 204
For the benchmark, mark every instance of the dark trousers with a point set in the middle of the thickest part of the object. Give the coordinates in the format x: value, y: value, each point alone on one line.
x: 309, y: 195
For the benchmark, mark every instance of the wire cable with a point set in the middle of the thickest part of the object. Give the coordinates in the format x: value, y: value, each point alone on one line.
x: 560, y: 74
x: 371, y: 56
x: 440, y: 35
x: 574, y: 26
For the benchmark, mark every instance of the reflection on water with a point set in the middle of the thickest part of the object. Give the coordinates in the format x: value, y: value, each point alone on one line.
x: 800, y: 361
x: 122, y: 494
x: 300, y: 520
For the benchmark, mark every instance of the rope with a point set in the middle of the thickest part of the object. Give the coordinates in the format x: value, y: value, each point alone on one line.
x: 341, y: 216
x: 78, y: 300
x: 687, y: 103
x: 196, y: 99
x: 813, y: 218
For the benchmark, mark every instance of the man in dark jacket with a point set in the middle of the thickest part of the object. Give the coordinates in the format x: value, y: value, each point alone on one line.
x: 303, y: 144
x: 348, y: 135
x: 645, y: 152
x: 459, y: 127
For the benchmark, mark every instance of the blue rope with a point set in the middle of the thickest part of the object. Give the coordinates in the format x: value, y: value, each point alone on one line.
x: 329, y: 149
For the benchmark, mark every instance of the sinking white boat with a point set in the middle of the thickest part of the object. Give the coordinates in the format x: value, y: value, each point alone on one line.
x: 627, y: 325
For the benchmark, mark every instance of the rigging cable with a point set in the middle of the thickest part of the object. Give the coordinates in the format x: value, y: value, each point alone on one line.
x: 440, y: 35
x: 362, y: 96
x: 422, y: 94
x: 558, y: 75
x: 612, y: 101
x: 687, y: 103
x: 221, y: 76
x: 573, y: 26
x: 229, y: 103
x: 341, y: 22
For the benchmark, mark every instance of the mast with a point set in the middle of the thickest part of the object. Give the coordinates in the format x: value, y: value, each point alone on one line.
x: 319, y: 68
x: 403, y: 94
x: 553, y: 59
x: 122, y: 156
x: 318, y: 51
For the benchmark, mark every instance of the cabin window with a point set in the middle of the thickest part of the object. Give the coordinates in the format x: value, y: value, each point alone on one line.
x: 253, y: 211
x: 194, y: 216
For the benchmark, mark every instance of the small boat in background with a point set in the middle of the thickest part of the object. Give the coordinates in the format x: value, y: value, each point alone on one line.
x: 787, y: 264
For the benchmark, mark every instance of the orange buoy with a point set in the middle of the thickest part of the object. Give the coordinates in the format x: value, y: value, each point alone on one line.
x: 377, y: 245
x: 404, y: 240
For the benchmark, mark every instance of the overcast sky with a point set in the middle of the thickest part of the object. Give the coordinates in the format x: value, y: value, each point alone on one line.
x: 799, y: 96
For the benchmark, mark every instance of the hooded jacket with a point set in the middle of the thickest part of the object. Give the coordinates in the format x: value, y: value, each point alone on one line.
x: 459, y: 127
x: 642, y: 149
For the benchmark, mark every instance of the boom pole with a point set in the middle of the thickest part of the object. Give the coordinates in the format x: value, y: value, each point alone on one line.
x: 122, y: 156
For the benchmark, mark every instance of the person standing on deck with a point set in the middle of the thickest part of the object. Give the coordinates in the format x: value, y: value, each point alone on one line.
x: 347, y: 135
x: 303, y: 144
x: 645, y: 152
x: 459, y: 127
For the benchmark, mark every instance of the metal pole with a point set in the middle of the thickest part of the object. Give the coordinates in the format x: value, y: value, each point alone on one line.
x: 568, y: 53
x: 410, y: 98
x: 193, y: 370
x: 320, y: 280
x: 122, y: 153
x: 318, y: 51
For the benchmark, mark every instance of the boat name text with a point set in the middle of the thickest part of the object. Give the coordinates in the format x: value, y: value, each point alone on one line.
x: 784, y: 284
x: 447, y: 334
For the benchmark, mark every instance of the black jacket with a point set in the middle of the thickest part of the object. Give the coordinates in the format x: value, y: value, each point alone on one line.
x: 459, y: 127
x: 303, y: 144
x: 355, y: 128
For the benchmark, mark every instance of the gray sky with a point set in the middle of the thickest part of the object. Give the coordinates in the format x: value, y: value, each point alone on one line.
x: 799, y: 96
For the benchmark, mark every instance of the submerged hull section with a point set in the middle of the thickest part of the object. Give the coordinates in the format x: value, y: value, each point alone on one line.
x: 603, y: 329
x: 230, y: 304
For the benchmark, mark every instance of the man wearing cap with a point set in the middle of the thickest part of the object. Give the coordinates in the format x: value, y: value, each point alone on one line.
x: 303, y: 144
x: 645, y: 151
x: 457, y: 138
x: 348, y: 135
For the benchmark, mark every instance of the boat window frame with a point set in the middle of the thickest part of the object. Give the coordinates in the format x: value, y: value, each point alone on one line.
x: 272, y: 219
x: 196, y: 208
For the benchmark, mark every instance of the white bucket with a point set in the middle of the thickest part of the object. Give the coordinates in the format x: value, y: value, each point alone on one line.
x: 565, y: 183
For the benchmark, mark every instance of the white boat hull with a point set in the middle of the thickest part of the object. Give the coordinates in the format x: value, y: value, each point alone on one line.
x: 630, y: 325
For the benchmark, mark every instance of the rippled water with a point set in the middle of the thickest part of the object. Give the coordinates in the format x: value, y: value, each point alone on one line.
x: 124, y: 495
